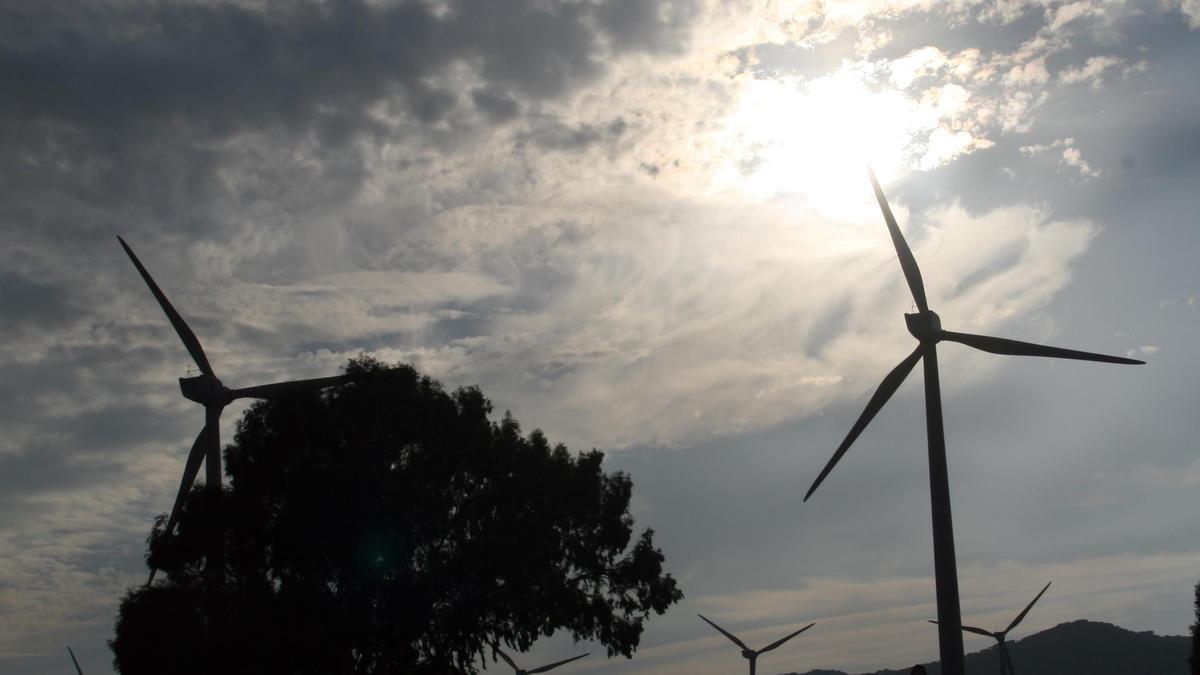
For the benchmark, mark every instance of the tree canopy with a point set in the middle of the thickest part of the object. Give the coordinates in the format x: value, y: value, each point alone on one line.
x: 1194, y: 659
x: 386, y: 526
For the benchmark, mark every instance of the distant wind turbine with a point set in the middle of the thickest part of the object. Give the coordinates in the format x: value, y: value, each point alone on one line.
x: 540, y: 669
x: 926, y: 326
x: 752, y: 655
x: 208, y: 391
x: 74, y: 660
x: 1006, y: 665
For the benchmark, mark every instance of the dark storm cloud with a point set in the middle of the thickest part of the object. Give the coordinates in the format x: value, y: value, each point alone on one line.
x: 119, y: 116
x: 26, y: 302
x: 221, y: 69
x: 553, y: 134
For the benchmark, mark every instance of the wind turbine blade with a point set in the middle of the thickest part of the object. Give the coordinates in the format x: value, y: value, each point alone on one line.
x: 284, y: 389
x: 181, y: 327
x: 1027, y: 608
x: 74, y: 660
x: 542, y: 669
x: 888, y: 387
x: 973, y: 629
x: 190, y: 471
x: 726, y: 633
x: 908, y: 263
x: 780, y: 641
x: 504, y: 656
x: 997, y: 345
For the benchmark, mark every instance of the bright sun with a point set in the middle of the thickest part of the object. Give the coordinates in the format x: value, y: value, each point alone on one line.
x: 816, y: 139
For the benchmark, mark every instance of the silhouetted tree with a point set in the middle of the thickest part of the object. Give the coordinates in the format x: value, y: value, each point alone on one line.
x: 389, y: 527
x: 1194, y: 661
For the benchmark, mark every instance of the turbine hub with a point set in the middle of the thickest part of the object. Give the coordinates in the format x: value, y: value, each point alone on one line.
x: 205, y: 390
x: 746, y: 653
x: 924, y: 326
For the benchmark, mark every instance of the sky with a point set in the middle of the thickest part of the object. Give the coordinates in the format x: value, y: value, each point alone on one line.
x: 644, y: 227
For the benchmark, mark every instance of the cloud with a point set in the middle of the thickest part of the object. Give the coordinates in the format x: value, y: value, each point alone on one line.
x: 1090, y: 73
x: 698, y: 314
x: 1191, y: 10
x: 621, y: 219
x: 1032, y: 73
x: 1143, y: 350
x: 1071, y: 156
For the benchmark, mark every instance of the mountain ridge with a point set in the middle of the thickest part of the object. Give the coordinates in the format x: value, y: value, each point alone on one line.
x: 1078, y: 647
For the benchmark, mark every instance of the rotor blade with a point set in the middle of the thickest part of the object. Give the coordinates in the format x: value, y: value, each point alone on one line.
x: 212, y: 420
x: 979, y: 631
x: 780, y: 641
x: 888, y: 387
x: 190, y: 470
x: 908, y: 263
x: 726, y: 633
x: 973, y: 629
x: 542, y: 669
x: 1006, y: 658
x: 1027, y: 608
x: 181, y: 327
x: 292, y: 388
x: 504, y: 656
x: 997, y: 345
x: 74, y: 660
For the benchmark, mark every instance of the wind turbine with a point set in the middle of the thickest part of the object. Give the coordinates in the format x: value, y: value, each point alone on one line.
x: 540, y: 669
x: 752, y: 655
x: 1006, y: 665
x: 74, y: 660
x: 926, y: 326
x: 209, y: 392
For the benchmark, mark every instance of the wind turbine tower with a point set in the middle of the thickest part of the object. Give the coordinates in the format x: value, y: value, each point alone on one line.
x: 926, y: 327
x: 1006, y: 664
x: 207, y: 390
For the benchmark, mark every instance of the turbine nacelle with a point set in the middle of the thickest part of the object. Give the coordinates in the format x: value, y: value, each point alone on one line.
x: 749, y: 654
x: 205, y: 390
x: 925, y: 326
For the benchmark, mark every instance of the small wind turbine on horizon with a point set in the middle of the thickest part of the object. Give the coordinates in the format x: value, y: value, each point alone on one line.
x: 74, y: 660
x: 926, y: 327
x: 207, y: 390
x: 1006, y: 665
x: 752, y: 655
x: 540, y: 669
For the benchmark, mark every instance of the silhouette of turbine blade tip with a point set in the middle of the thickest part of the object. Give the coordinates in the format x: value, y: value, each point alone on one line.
x: 997, y: 345
x: 908, y: 263
x: 887, y: 388
x: 551, y: 666
x: 1021, y: 616
x: 733, y: 638
x: 185, y: 333
x: 785, y: 638
x: 506, y: 657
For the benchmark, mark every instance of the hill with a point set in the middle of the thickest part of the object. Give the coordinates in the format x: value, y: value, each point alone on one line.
x: 1076, y: 648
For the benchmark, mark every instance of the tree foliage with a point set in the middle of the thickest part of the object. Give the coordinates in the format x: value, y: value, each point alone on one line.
x: 389, y: 527
x: 1194, y: 660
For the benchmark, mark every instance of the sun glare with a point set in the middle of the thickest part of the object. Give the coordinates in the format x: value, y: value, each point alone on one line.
x: 817, y: 139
